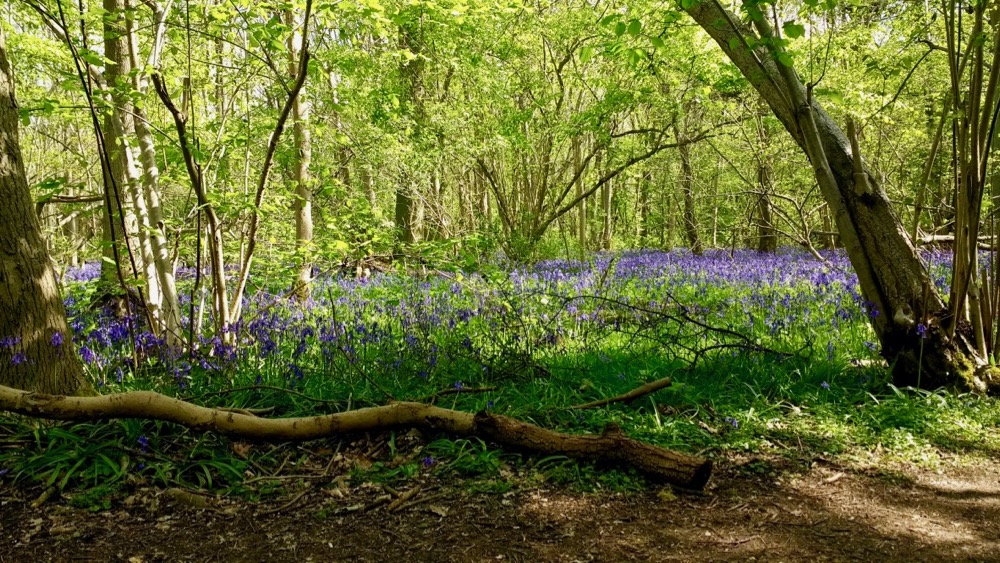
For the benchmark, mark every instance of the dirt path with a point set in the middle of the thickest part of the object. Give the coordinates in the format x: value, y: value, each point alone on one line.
x: 826, y: 514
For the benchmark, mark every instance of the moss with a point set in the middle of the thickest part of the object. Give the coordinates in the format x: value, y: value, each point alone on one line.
x: 966, y: 376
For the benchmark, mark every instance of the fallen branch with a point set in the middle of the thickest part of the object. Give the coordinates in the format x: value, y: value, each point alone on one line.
x: 402, y: 499
x: 632, y: 395
x: 612, y: 446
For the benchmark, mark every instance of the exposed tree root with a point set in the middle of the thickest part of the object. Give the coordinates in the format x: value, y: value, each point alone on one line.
x: 612, y: 446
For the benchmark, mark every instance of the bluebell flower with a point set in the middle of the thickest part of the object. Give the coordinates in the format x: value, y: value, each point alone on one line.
x: 87, y: 355
x: 57, y: 339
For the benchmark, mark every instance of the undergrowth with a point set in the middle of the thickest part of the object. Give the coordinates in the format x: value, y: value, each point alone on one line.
x: 799, y: 380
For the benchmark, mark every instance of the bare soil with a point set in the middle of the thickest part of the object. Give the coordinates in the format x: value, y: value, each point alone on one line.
x: 825, y: 513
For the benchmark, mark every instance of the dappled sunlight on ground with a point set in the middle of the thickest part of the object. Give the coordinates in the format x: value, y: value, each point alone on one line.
x: 830, y: 513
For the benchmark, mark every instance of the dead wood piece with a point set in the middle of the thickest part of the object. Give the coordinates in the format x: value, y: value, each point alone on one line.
x: 288, y: 504
x: 188, y: 498
x: 632, y: 395
x: 676, y: 468
x: 612, y: 446
x: 395, y: 505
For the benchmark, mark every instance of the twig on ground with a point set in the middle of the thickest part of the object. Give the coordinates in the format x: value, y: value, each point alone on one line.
x: 288, y: 504
x: 420, y: 500
x: 632, y: 395
x: 397, y: 504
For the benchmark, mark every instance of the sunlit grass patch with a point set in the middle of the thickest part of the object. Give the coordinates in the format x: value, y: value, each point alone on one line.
x: 768, y: 354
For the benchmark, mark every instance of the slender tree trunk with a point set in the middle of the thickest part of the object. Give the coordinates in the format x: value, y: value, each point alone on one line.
x: 365, y: 172
x: 301, y: 158
x: 607, y: 216
x: 644, y: 186
x: 767, y: 236
x: 715, y: 205
x: 691, y: 227
x: 119, y: 135
x: 582, y: 219
x: 925, y: 178
x: 150, y: 188
x: 408, y: 209
x: 36, y: 345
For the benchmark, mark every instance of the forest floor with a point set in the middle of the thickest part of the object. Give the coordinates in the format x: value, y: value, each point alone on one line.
x: 754, y: 509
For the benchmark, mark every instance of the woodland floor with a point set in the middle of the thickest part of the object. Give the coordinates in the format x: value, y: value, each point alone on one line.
x: 753, y: 510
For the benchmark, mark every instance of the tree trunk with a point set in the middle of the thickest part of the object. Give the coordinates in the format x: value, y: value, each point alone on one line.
x: 301, y: 157
x: 369, y: 184
x: 150, y: 186
x: 119, y: 136
x: 607, y: 216
x: 644, y: 185
x: 36, y: 345
x: 408, y: 211
x: 581, y: 225
x: 898, y: 289
x: 687, y: 189
x: 767, y: 236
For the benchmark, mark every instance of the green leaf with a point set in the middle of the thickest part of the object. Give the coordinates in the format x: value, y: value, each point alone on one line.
x: 634, y: 27
x: 785, y: 59
x: 794, y: 30
x: 735, y: 43
x: 93, y: 58
x: 620, y: 28
x: 657, y: 42
x: 835, y: 96
x: 586, y: 53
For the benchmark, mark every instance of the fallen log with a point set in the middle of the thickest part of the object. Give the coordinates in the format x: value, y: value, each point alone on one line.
x: 612, y: 446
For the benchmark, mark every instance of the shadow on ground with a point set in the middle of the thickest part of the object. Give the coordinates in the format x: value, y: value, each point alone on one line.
x: 826, y: 514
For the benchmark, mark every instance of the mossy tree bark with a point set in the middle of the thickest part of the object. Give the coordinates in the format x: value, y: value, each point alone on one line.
x: 36, y: 346
x: 893, y: 280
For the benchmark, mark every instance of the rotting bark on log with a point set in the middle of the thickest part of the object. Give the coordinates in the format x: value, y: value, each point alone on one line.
x: 612, y: 446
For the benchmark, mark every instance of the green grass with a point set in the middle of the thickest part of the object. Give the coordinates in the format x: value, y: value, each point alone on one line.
x: 806, y: 399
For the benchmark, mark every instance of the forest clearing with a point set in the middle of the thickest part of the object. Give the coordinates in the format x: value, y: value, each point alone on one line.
x: 503, y: 280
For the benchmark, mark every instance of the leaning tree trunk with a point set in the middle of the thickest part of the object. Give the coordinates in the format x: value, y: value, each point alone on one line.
x: 897, y: 287
x: 36, y: 346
